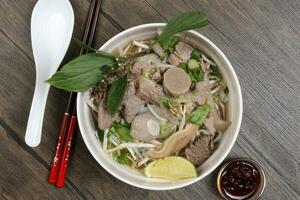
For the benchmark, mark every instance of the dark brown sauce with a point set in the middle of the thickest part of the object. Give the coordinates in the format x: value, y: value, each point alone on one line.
x: 240, y: 180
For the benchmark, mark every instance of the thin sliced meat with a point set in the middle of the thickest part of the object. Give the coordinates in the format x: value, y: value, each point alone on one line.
x: 146, y: 64
x: 168, y: 114
x: 131, y: 102
x: 149, y: 90
x: 209, y: 124
x: 200, y: 150
x: 104, y: 118
x: 137, y: 68
x: 158, y: 50
x: 174, y: 60
x: 183, y: 50
x: 202, y: 90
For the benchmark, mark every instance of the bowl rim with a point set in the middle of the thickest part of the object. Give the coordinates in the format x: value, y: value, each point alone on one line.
x: 222, y: 157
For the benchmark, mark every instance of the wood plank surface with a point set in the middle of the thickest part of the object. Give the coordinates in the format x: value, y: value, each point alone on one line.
x: 259, y: 37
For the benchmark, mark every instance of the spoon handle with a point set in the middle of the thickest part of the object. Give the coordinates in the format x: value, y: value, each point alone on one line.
x: 36, y: 115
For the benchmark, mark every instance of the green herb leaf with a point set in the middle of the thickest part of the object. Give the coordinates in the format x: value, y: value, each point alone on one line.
x: 196, y: 74
x: 81, y: 73
x: 199, y: 114
x: 183, y: 22
x: 170, y: 44
x: 100, y: 135
x: 183, y: 66
x: 116, y: 94
x: 226, y: 90
x: 122, y: 131
x: 87, y: 47
x: 166, y: 102
x: 196, y: 54
x: 122, y: 159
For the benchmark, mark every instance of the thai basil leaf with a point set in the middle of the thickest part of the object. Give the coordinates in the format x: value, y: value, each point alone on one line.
x: 170, y: 44
x: 81, y: 73
x: 199, y: 114
x: 183, y: 22
x: 116, y: 94
x: 196, y: 75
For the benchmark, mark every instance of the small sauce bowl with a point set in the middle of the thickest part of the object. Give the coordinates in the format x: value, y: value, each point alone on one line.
x: 241, y: 178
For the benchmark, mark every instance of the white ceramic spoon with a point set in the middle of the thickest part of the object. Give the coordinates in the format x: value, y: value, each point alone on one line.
x: 52, y: 24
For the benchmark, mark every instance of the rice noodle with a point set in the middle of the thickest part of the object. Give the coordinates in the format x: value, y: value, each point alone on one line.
x: 139, y: 44
x: 138, y: 153
x: 182, y: 123
x: 166, y: 66
x: 90, y: 103
x: 155, y: 114
x: 131, y: 153
x: 130, y: 145
x: 104, y: 145
x: 114, y: 140
x: 144, y: 161
x: 208, y: 61
x: 219, y: 137
x: 155, y: 142
x: 126, y: 49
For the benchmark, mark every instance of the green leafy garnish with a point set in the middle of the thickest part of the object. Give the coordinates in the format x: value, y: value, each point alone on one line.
x: 183, y: 22
x: 166, y: 102
x: 196, y: 74
x: 169, y: 46
x: 183, y: 66
x: 193, y: 64
x: 199, y: 114
x: 226, y: 90
x: 122, y: 159
x: 166, y: 130
x: 116, y: 94
x: 122, y: 131
x: 81, y: 73
x: 196, y: 54
x: 100, y: 135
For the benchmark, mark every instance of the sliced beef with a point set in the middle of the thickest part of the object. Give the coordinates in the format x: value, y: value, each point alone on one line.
x: 131, y: 102
x: 200, y: 150
x: 209, y: 124
x: 104, y: 118
x: 146, y: 64
x: 137, y: 68
x: 168, y: 114
x: 183, y: 50
x: 175, y: 60
x: 158, y: 50
x: 202, y: 90
x: 149, y: 90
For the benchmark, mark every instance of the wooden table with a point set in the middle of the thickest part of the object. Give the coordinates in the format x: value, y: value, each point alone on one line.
x: 261, y: 38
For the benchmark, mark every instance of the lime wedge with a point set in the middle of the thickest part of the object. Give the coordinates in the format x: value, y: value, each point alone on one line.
x: 171, y: 167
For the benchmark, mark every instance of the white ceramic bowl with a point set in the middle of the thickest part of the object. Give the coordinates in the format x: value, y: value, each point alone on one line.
x: 131, y: 176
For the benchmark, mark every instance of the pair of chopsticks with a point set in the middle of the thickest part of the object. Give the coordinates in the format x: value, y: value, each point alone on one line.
x: 59, y: 166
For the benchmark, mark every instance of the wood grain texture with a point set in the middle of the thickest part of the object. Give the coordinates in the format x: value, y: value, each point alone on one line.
x: 260, y: 38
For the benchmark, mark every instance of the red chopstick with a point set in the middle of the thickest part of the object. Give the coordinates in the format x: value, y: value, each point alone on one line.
x: 67, y: 148
x: 62, y: 152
